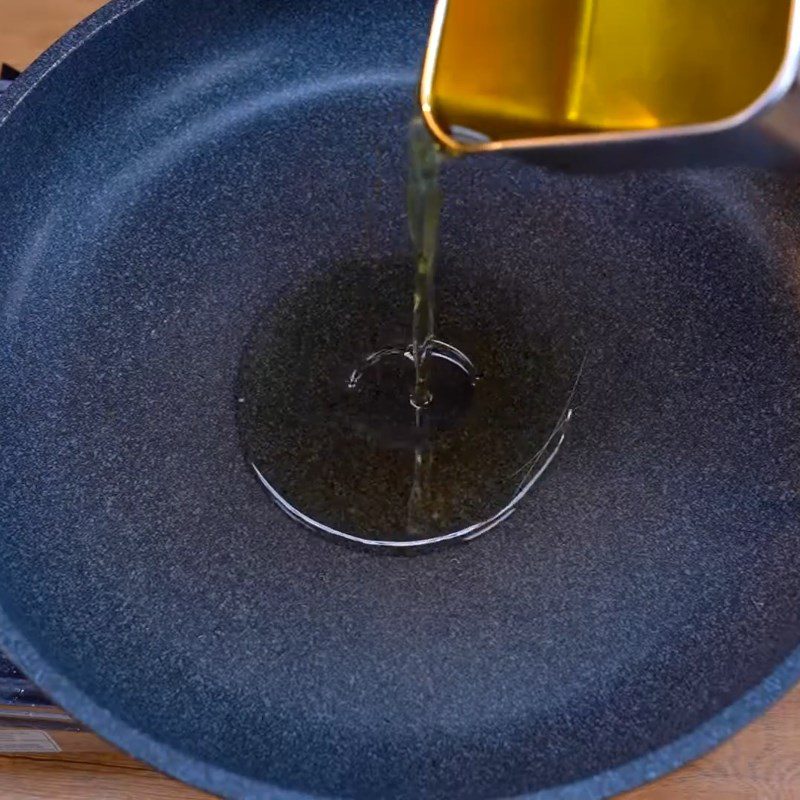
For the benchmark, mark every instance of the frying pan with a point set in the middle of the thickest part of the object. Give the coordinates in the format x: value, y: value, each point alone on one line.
x: 174, y: 172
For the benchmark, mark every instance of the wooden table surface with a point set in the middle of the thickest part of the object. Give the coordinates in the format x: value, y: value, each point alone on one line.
x: 760, y: 763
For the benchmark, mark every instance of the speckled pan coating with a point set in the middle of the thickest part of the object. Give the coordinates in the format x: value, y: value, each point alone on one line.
x: 166, y: 168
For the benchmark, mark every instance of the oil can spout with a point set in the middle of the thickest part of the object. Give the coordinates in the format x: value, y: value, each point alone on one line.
x: 610, y: 83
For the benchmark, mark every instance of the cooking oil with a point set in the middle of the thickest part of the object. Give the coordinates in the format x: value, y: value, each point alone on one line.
x: 433, y: 433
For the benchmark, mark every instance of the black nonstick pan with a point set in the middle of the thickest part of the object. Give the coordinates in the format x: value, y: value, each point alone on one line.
x: 172, y: 172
